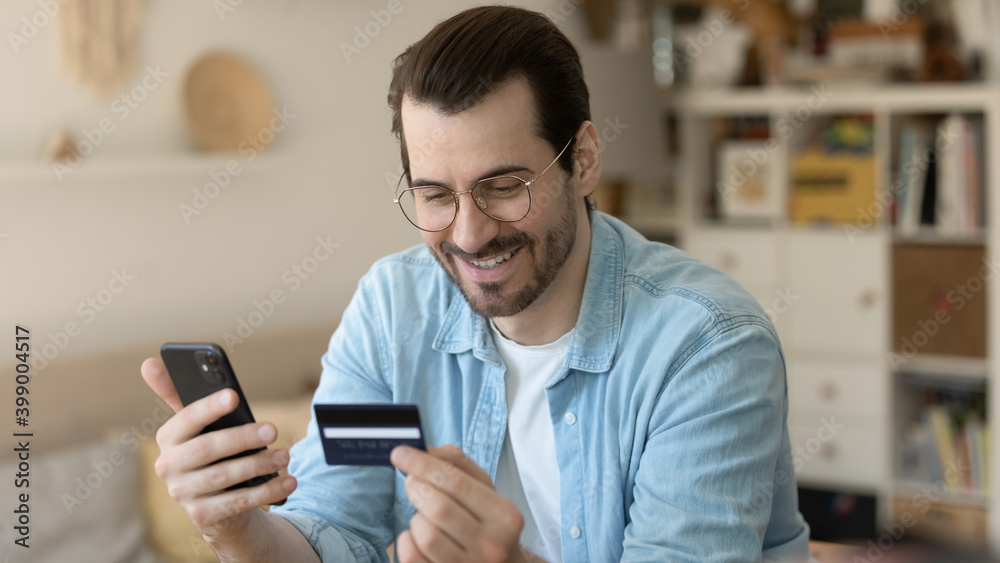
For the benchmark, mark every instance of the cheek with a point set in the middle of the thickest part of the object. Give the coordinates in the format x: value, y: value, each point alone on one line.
x: 431, y: 239
x: 548, y: 201
x: 541, y: 205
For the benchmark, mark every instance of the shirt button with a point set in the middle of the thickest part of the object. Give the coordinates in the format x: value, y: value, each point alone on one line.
x: 570, y: 418
x: 575, y: 532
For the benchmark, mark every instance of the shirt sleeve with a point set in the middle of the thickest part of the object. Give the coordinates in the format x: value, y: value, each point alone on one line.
x: 703, y: 490
x: 346, y: 512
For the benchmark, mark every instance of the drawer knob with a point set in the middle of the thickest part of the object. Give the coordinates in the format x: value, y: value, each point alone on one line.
x: 828, y: 391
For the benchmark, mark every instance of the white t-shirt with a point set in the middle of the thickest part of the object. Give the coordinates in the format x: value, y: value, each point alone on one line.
x: 527, y: 473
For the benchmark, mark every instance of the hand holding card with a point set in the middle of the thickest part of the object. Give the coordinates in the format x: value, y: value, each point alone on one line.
x: 365, y: 434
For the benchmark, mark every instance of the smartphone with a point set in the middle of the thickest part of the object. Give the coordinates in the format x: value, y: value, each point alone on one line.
x: 200, y: 369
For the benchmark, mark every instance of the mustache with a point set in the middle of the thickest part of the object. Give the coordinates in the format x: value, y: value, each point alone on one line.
x: 499, y: 245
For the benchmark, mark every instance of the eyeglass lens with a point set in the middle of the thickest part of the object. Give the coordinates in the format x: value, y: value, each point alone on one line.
x: 434, y: 208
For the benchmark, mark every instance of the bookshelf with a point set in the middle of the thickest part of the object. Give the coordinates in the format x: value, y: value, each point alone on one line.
x: 835, y: 288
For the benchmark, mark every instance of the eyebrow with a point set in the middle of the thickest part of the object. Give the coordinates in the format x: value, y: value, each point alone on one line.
x: 501, y: 170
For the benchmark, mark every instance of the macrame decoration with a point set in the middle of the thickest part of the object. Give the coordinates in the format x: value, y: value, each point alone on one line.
x: 100, y: 42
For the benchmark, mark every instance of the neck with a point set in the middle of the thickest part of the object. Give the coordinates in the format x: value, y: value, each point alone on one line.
x: 556, y: 310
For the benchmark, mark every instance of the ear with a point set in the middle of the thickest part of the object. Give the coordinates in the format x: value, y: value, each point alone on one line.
x: 587, y: 159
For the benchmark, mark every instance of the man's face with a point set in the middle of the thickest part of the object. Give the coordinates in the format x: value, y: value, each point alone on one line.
x: 495, y: 137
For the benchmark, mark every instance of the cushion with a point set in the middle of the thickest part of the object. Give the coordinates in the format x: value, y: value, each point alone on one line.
x: 83, y: 505
x: 170, y: 529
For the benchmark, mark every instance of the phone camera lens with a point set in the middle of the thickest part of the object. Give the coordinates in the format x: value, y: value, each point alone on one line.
x: 217, y: 375
x: 211, y: 360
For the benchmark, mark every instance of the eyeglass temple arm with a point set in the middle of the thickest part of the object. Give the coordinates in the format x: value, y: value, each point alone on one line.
x: 558, y: 156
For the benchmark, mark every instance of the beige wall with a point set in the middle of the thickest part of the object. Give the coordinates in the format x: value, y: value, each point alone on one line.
x: 325, y: 177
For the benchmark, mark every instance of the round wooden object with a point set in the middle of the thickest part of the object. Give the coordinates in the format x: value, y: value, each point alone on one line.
x: 227, y: 103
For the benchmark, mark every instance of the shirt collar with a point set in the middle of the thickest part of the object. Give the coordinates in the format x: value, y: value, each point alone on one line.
x: 597, y: 329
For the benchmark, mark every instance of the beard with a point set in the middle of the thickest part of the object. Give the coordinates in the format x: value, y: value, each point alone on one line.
x: 548, y: 256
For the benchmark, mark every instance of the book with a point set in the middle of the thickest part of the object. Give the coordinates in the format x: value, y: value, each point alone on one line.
x: 984, y: 441
x: 907, y: 145
x: 974, y: 435
x: 933, y: 459
x: 948, y: 443
x: 947, y: 204
x: 940, y: 176
x: 928, y: 205
x: 974, y: 175
x: 962, y: 457
x: 911, y: 174
x: 944, y: 441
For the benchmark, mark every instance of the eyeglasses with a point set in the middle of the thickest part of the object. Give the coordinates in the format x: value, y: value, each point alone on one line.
x: 434, y: 209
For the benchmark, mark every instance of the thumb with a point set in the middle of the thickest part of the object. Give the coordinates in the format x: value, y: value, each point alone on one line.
x: 155, y: 374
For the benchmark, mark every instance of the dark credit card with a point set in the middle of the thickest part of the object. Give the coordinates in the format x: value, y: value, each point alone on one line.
x: 366, y: 434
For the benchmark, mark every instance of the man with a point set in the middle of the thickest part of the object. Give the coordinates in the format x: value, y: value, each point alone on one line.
x: 603, y: 397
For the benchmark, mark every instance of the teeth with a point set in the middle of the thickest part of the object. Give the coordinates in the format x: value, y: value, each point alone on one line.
x: 492, y: 262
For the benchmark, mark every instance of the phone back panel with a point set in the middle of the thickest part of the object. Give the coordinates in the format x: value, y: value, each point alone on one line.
x: 193, y: 382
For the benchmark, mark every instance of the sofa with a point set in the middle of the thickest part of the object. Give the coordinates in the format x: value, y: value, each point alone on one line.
x: 102, y: 502
x: 93, y: 495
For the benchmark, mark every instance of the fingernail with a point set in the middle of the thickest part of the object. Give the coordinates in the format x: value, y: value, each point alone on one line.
x: 280, y: 458
x: 226, y: 398
x: 288, y: 484
x: 266, y: 432
x: 399, y: 455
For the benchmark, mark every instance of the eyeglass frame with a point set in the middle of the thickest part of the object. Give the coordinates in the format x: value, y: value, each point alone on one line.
x: 527, y: 185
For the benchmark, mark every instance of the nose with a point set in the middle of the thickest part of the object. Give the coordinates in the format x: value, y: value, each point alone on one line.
x: 472, y: 228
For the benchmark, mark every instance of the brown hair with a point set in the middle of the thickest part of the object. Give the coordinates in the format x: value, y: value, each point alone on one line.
x: 466, y: 57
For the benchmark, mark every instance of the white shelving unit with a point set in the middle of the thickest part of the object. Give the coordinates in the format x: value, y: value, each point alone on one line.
x: 830, y: 293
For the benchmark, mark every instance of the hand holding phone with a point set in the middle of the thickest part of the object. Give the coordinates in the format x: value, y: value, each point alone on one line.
x: 230, y: 521
x: 199, y: 370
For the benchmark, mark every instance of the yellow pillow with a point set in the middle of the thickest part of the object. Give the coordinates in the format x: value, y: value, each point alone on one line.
x: 170, y: 530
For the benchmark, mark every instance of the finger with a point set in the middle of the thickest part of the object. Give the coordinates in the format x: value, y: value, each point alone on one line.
x: 441, y: 511
x: 220, y: 476
x: 155, y: 374
x: 474, y: 495
x: 208, y: 448
x: 207, y: 511
x: 453, y: 454
x: 434, y: 543
x: 407, y: 549
x: 192, y: 419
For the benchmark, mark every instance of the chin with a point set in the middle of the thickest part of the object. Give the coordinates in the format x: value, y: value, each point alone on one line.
x: 490, y: 300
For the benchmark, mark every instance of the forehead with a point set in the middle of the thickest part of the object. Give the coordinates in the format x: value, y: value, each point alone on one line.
x: 502, y: 123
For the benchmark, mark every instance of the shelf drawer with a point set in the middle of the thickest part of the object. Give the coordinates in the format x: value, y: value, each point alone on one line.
x: 748, y: 256
x: 854, y: 455
x: 854, y: 387
x: 841, y: 289
x: 956, y: 524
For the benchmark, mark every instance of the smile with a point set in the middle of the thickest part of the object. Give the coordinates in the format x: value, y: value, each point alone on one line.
x: 495, y: 261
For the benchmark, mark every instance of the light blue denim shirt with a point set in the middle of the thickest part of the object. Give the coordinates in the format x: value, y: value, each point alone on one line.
x: 669, y: 416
